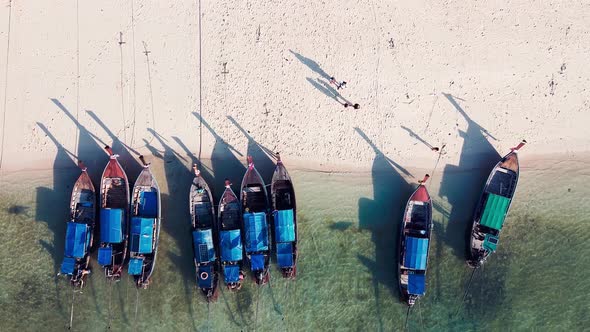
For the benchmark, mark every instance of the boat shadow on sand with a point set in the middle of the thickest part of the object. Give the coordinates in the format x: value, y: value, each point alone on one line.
x: 461, y: 186
x: 175, y: 214
x: 176, y: 220
x: 382, y: 216
x: 225, y: 164
x: 52, y: 208
x: 53, y: 203
x: 263, y: 157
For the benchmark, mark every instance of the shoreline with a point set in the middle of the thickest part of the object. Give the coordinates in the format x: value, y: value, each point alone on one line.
x: 527, y: 161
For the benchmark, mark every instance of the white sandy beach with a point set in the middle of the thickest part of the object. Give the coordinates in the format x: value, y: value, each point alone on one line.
x: 517, y: 69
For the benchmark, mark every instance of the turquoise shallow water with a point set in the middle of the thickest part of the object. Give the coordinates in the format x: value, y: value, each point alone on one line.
x: 538, y: 279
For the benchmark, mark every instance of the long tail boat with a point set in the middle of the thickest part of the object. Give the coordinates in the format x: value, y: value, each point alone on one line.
x: 256, y: 226
x: 144, y: 230
x: 492, y: 208
x: 285, y: 220
x: 80, y: 230
x: 114, y: 213
x: 230, y: 238
x: 414, y: 242
x: 204, y: 231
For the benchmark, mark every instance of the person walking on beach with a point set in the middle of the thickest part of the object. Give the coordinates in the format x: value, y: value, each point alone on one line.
x: 337, y: 84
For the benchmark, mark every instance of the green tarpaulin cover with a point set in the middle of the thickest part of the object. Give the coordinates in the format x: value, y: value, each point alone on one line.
x: 494, y: 211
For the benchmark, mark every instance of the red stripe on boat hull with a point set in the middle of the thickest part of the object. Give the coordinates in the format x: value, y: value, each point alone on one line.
x: 421, y: 195
x: 113, y: 170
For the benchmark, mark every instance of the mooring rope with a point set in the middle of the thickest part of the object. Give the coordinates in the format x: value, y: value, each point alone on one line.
x: 440, y: 153
x: 5, y: 83
x: 200, y: 88
x: 466, y: 292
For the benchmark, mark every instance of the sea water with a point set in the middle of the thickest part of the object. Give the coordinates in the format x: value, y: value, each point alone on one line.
x: 347, y: 268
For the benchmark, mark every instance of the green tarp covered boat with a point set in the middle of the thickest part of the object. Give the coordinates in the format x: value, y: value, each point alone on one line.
x: 492, y: 208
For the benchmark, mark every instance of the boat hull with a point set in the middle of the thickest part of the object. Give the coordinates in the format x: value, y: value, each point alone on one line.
x: 414, y: 245
x: 229, y: 220
x: 82, y: 211
x: 283, y: 199
x: 492, y: 209
x: 204, y: 221
x: 147, y: 214
x: 255, y: 206
x: 114, y: 196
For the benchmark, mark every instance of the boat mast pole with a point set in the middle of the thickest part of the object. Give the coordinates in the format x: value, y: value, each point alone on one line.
x: 208, y: 314
x: 468, y: 285
x: 407, y: 316
x: 256, y: 315
x: 136, y: 308
x: 72, y: 308
x: 110, y: 303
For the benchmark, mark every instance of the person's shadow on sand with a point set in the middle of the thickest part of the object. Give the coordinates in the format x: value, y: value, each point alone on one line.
x: 314, y: 66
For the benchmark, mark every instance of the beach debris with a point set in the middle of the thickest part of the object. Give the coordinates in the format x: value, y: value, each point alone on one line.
x: 121, y: 42
x: 552, y: 85
x: 355, y: 106
x: 17, y: 209
x: 562, y: 68
x: 391, y: 43
x: 145, y: 50
x: 258, y: 33
x: 224, y: 71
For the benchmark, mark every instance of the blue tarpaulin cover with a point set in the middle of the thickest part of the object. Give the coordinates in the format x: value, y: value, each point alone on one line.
x: 142, y: 234
x: 284, y: 226
x: 67, y: 266
x: 135, y: 266
x: 105, y: 256
x: 76, y: 237
x: 148, y: 204
x: 285, y: 254
x: 231, y: 273
x: 231, y: 245
x: 205, y: 271
x: 416, y: 284
x: 203, y: 245
x: 111, y: 225
x: 416, y: 251
x: 257, y: 262
x: 256, y: 230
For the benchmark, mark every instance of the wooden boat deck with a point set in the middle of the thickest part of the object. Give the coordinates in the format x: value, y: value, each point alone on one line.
x: 114, y: 191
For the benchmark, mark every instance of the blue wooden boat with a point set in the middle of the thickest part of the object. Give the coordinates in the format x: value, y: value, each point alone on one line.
x: 492, y: 208
x: 414, y: 243
x: 80, y: 230
x: 230, y: 238
x: 204, y: 234
x: 144, y: 226
x: 114, y: 213
x: 255, y: 207
x: 285, y: 220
